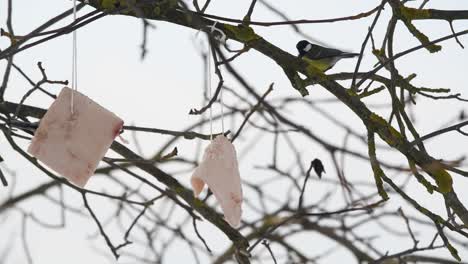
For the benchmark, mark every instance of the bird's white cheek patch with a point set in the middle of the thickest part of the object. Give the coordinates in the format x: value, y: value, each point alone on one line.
x: 219, y: 170
x: 73, y: 144
x: 308, y: 47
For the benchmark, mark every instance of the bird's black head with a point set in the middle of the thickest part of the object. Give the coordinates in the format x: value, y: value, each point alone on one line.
x: 301, y: 47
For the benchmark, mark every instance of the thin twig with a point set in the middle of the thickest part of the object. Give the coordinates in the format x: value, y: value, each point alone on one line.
x: 267, y: 245
x: 364, y: 43
x: 299, y: 206
x: 101, y: 229
x: 260, y: 101
x: 184, y: 134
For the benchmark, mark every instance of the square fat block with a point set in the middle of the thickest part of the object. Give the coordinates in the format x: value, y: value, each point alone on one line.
x: 73, y: 144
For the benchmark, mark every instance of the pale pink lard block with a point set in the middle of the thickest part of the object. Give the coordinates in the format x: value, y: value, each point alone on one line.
x: 73, y: 144
x: 220, y: 171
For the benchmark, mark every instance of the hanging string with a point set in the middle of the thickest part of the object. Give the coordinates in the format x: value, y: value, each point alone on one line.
x: 74, y: 82
x: 222, y: 109
x: 221, y: 38
x: 208, y: 79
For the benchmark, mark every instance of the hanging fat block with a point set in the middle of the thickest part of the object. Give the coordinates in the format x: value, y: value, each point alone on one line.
x: 220, y: 171
x: 73, y: 144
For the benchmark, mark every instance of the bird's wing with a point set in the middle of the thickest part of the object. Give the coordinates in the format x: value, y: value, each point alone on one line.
x: 323, y: 53
x: 220, y: 171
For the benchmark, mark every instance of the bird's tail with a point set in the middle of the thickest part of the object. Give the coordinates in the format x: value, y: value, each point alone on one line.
x: 348, y: 55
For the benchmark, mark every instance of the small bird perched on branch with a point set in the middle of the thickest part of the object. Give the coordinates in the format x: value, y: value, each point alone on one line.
x: 320, y: 57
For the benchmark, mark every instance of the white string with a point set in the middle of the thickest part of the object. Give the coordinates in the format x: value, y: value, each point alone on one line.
x: 209, y: 86
x: 74, y: 82
x: 222, y: 108
x: 222, y: 39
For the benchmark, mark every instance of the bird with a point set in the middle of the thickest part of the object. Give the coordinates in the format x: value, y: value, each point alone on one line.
x: 320, y: 57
